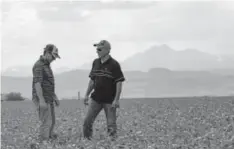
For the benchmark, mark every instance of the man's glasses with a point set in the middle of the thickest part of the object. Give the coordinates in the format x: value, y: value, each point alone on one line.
x: 99, y: 49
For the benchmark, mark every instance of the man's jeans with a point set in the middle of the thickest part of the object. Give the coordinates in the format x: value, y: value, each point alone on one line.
x: 93, y: 111
x: 47, y: 120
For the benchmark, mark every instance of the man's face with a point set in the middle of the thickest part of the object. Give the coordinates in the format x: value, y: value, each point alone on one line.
x: 49, y: 57
x: 101, y: 51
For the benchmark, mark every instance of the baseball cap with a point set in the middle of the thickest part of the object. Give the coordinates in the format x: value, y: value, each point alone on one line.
x: 104, y: 44
x: 52, y: 49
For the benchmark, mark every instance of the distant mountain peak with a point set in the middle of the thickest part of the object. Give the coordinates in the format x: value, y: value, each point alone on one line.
x: 166, y: 57
x: 163, y: 47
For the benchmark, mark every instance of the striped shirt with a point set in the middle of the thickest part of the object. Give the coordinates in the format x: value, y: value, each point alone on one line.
x: 105, y: 76
x: 43, y: 74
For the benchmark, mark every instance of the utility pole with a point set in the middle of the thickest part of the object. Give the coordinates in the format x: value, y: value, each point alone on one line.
x: 78, y: 95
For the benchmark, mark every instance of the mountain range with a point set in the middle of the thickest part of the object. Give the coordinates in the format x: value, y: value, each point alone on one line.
x: 157, y: 72
x: 161, y: 56
x: 157, y: 82
x: 189, y: 59
x: 25, y: 71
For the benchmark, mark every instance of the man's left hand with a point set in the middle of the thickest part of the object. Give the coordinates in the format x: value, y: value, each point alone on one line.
x: 115, y: 104
x: 56, y: 101
x: 36, y: 104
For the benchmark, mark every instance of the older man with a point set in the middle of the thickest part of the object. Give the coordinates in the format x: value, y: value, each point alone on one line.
x: 43, y: 91
x: 106, y: 79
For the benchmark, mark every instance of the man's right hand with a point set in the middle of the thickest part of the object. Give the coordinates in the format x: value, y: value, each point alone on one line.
x: 43, y: 104
x: 36, y: 104
x: 86, y: 100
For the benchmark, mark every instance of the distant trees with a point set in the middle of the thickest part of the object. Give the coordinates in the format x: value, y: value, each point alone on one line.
x: 13, y: 96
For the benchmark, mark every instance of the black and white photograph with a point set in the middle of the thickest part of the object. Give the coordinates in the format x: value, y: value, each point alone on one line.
x: 117, y: 74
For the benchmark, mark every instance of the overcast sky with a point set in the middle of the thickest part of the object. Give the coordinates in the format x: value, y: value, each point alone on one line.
x: 129, y: 26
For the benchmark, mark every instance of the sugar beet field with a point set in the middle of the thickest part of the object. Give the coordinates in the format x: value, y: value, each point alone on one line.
x: 189, y: 123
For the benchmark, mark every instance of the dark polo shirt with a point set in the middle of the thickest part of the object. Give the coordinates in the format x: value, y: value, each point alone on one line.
x: 105, y: 76
x: 43, y: 73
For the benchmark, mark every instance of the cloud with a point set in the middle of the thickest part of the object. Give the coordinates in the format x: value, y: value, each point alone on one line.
x: 21, y: 19
x: 123, y: 5
x: 74, y: 10
x: 74, y: 26
x: 204, y: 23
x: 184, y: 21
x: 85, y: 13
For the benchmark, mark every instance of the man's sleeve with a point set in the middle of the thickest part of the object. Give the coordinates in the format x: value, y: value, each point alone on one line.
x: 38, y: 74
x: 118, y: 74
x: 91, y: 74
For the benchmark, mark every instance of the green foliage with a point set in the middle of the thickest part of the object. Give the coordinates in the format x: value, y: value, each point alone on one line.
x: 14, y: 96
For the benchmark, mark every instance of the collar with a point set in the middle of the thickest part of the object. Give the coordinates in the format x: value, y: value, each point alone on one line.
x: 106, y: 61
x: 42, y: 59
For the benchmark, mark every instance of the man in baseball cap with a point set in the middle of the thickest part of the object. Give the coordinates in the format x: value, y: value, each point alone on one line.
x: 106, y: 79
x: 43, y: 92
